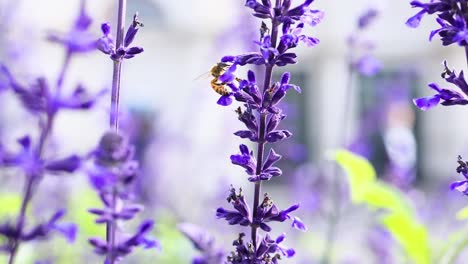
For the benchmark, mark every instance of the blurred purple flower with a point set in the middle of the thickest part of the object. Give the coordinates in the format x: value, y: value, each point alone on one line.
x: 78, y: 39
x: 204, y: 243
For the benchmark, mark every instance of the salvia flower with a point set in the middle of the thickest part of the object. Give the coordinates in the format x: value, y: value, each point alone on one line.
x: 451, y: 16
x: 114, y: 171
x: 204, y: 243
x: 39, y: 98
x: 268, y: 251
x: 261, y: 114
x: 44, y: 100
x: 446, y: 96
x: 364, y: 62
x: 461, y: 186
x: 40, y: 231
x: 106, y: 43
x: 126, y: 243
x: 78, y: 39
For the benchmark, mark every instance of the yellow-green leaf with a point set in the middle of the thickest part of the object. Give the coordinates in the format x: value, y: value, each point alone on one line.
x: 360, y: 172
x: 11, y: 204
x: 383, y: 196
x: 462, y: 214
x: 399, y: 219
x: 411, y: 235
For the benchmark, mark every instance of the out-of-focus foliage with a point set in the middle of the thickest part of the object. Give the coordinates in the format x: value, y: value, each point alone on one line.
x: 10, y: 204
x: 399, y: 218
x: 462, y: 214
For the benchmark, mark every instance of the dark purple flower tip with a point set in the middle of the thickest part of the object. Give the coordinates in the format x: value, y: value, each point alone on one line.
x: 69, y: 164
x: 132, y: 30
x: 69, y: 231
x: 100, y: 246
x: 25, y: 142
x: 289, y: 253
x: 151, y: 243
x: 298, y: 224
x: 106, y: 29
x: 228, y: 59
x: 57, y: 216
x: 247, y: 134
x: 285, y: 78
x: 280, y: 238
x: 134, y: 51
x: 415, y: 20
x: 461, y: 186
x: 225, y: 100
x: 426, y: 103
x: 251, y: 77
x: 145, y: 227
x: 278, y: 135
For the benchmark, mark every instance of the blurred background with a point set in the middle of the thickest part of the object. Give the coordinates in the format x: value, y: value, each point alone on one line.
x: 184, y: 139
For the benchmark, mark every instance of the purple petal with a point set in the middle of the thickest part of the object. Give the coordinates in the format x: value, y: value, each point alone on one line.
x: 426, y: 103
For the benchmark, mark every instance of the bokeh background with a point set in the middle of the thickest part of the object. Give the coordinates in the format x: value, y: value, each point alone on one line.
x: 184, y: 138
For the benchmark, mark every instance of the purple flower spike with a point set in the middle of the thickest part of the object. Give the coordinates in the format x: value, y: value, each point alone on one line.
x: 107, y: 45
x: 261, y: 114
x: 447, y: 96
x: 78, y: 39
x: 461, y: 186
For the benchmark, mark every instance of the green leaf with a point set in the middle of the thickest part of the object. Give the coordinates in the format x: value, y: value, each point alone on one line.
x: 411, y: 235
x: 78, y: 211
x: 462, y: 214
x: 11, y: 204
x: 383, y: 196
x: 399, y: 218
x: 360, y: 171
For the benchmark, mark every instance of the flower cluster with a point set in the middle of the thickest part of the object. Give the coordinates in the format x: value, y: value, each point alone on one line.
x: 204, y: 243
x: 461, y: 186
x: 266, y: 212
x: 447, y: 96
x: 78, y: 39
x: 366, y: 64
x: 261, y: 115
x: 44, y: 100
x: 114, y: 171
x: 268, y: 251
x: 451, y: 16
x: 293, y: 21
x: 107, y: 45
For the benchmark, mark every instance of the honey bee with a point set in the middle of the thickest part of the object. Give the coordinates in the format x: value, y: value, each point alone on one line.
x: 216, y: 71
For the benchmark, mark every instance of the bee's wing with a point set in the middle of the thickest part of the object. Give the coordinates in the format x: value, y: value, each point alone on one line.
x: 203, y: 75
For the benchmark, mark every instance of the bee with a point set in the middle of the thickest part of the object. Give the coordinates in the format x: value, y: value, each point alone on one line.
x: 216, y: 71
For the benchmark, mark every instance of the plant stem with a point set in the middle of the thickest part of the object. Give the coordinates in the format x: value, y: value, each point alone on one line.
x: 111, y: 227
x: 261, y: 131
x: 466, y: 54
x: 66, y: 63
x: 32, y: 181
x: 335, y: 213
